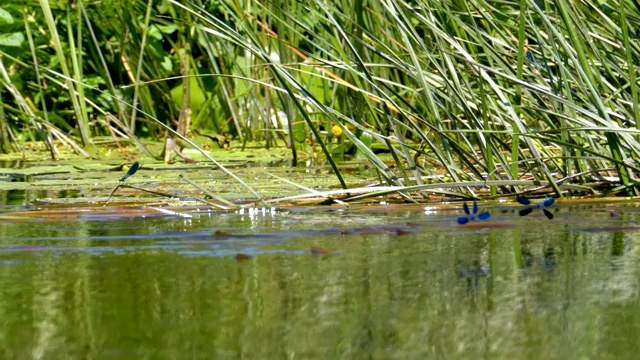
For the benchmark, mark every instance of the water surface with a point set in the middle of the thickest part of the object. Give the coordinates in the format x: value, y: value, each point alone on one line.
x: 400, y: 283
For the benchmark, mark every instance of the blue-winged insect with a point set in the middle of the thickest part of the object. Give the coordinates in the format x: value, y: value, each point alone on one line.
x: 472, y: 215
x: 132, y: 170
x: 548, y: 202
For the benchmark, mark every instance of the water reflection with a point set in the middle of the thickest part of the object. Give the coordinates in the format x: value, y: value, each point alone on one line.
x: 12, y: 198
x: 472, y: 273
x: 162, y: 288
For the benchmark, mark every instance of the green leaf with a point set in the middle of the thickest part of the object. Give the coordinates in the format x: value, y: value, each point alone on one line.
x: 5, y: 17
x: 163, y: 7
x: 167, y: 29
x: 367, y: 140
x: 15, y: 39
x: 167, y: 64
x: 94, y: 81
x: 154, y: 32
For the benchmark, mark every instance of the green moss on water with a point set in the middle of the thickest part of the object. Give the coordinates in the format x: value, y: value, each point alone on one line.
x: 93, y: 179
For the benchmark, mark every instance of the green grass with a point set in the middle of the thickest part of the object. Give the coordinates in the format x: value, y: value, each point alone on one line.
x: 504, y: 92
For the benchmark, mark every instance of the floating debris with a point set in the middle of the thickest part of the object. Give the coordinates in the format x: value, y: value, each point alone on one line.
x: 242, y: 257
x: 320, y: 251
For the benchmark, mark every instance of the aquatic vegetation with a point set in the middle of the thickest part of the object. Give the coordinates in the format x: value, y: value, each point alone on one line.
x: 548, y: 202
x: 132, y: 170
x: 472, y: 215
x: 182, y: 70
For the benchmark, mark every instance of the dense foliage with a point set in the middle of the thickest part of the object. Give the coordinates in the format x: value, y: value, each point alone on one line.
x: 458, y: 91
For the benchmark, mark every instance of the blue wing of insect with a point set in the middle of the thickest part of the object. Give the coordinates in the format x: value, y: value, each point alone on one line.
x: 472, y: 214
x: 526, y: 211
x: 132, y: 170
x: 548, y: 201
x: 484, y: 216
x: 466, y: 208
x: 548, y: 214
x: 529, y: 56
x: 523, y: 200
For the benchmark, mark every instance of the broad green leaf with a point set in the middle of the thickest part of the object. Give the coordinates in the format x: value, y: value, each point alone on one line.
x: 366, y: 139
x: 5, y: 17
x: 15, y: 39
x: 167, y: 29
x: 154, y: 32
x: 167, y: 64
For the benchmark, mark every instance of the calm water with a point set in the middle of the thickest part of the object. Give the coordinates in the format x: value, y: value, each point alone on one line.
x: 117, y: 285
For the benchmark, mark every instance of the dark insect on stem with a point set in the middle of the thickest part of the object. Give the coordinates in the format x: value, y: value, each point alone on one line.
x: 132, y: 170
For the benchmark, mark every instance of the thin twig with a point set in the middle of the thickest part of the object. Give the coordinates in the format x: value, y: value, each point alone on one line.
x: 313, y: 191
x: 207, y: 192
